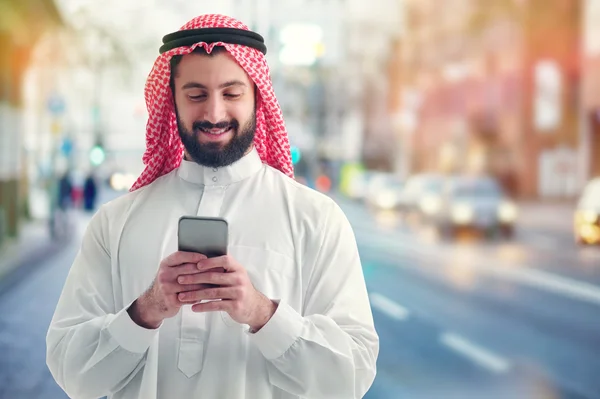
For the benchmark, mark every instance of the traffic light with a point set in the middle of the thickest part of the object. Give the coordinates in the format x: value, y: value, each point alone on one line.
x: 97, y: 155
x: 296, y: 155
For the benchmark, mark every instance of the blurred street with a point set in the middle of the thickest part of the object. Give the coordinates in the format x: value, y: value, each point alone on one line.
x: 426, y: 121
x: 26, y: 308
x: 505, y: 319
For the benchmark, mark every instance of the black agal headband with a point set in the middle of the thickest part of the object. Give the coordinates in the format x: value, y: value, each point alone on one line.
x: 189, y: 37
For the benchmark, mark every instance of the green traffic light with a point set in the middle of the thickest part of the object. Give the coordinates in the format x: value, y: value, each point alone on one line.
x: 97, y: 156
x: 296, y: 155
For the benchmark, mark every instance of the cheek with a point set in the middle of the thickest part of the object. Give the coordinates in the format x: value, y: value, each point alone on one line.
x: 243, y: 113
x: 188, y: 114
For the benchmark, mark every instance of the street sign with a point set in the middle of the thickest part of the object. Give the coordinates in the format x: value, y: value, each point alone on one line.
x: 55, y: 128
x: 67, y: 147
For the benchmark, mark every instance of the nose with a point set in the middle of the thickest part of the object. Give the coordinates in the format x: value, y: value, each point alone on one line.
x: 215, y: 110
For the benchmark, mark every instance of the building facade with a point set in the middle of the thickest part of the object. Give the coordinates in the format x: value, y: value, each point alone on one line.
x: 590, y: 93
x: 21, y: 24
x: 493, y: 87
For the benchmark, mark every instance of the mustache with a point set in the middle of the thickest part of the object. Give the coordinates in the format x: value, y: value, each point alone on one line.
x: 206, y: 125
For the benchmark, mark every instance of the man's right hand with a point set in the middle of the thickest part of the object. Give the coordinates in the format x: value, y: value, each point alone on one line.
x: 160, y: 301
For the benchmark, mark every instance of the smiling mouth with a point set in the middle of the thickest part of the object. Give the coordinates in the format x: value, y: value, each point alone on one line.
x: 216, y: 132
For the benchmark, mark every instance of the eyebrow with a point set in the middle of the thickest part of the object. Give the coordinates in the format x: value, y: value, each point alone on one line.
x: 196, y: 85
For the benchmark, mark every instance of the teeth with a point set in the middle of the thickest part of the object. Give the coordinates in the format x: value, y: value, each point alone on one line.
x: 216, y: 132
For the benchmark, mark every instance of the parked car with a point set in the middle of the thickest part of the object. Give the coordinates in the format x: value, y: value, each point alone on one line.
x: 122, y: 181
x: 384, y: 191
x: 587, y: 214
x: 421, y: 196
x: 358, y: 186
x: 475, y: 203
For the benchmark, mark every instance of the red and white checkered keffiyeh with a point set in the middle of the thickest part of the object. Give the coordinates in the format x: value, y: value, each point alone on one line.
x: 164, y: 150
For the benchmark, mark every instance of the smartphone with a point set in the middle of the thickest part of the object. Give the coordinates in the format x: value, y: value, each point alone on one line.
x: 206, y: 235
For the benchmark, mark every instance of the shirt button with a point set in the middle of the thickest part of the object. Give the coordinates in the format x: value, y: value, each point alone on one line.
x: 214, y: 179
x: 215, y: 169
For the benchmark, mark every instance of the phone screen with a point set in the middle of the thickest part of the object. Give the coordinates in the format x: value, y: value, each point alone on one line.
x: 208, y: 236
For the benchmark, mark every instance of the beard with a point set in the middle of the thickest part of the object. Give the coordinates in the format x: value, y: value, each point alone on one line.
x: 217, y: 155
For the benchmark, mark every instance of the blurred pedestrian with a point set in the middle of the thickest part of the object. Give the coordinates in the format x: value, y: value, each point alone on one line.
x: 287, y: 316
x: 65, y: 190
x: 90, y: 193
x: 59, y: 221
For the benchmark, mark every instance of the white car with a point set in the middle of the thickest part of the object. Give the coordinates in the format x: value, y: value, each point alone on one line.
x: 357, y: 189
x: 587, y: 215
x: 122, y: 181
x: 421, y: 196
x: 474, y: 203
x: 384, y: 192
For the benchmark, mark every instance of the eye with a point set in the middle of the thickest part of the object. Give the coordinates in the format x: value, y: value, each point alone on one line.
x: 232, y: 96
x: 198, y: 97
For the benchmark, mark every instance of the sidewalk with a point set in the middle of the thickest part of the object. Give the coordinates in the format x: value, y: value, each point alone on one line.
x: 20, y: 254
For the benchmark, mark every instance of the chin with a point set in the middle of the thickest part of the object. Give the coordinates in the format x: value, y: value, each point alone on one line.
x: 213, y: 146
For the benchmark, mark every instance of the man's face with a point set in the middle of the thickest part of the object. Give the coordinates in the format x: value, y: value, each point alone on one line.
x: 214, y: 102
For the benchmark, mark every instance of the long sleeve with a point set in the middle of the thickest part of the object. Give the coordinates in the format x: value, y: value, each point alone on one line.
x: 93, y: 348
x: 330, y: 350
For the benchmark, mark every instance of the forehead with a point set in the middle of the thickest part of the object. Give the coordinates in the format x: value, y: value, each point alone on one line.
x: 210, y: 70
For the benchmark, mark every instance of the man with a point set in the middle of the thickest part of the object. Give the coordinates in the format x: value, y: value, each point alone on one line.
x: 90, y: 192
x: 65, y: 191
x: 289, y: 317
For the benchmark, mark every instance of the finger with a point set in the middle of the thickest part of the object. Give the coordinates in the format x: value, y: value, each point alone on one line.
x: 180, y: 257
x: 182, y: 270
x: 213, y: 306
x: 216, y: 278
x: 174, y: 288
x: 191, y: 287
x: 208, y: 293
x: 226, y: 262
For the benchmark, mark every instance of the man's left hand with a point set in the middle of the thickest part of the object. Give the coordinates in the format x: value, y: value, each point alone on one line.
x: 237, y: 295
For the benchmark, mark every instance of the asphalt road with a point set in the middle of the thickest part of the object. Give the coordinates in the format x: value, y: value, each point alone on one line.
x: 479, y: 319
x: 516, y: 319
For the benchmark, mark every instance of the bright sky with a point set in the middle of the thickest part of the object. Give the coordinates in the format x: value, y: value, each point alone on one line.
x: 141, y: 23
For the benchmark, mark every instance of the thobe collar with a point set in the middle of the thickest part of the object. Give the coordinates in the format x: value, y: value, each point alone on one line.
x: 245, y: 167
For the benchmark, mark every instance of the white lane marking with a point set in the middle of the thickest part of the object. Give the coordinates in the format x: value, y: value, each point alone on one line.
x: 388, y: 306
x: 475, y: 353
x: 548, y: 281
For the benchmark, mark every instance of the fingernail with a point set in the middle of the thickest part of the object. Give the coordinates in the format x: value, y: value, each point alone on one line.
x: 181, y: 280
x: 182, y: 296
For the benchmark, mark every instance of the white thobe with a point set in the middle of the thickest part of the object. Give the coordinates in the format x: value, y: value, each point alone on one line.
x: 298, y: 249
